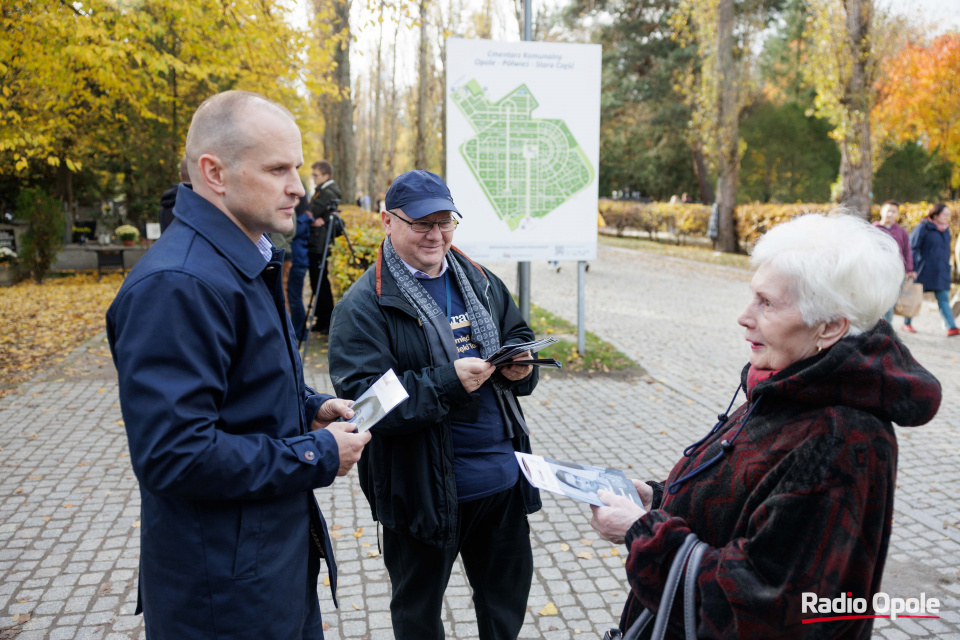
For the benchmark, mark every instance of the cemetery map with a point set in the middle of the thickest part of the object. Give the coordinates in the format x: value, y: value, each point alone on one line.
x: 527, y: 167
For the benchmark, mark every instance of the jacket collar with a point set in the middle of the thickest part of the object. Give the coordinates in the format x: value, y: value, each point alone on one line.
x: 202, y: 216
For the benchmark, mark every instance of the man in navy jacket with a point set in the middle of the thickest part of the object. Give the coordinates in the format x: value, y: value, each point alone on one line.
x: 225, y: 438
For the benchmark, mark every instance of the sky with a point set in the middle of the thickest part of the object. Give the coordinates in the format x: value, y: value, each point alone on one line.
x: 944, y: 15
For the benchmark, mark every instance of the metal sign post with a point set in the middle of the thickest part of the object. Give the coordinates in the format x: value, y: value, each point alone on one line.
x: 523, y: 268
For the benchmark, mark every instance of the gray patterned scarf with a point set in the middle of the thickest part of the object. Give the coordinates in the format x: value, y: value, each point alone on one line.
x: 483, y: 329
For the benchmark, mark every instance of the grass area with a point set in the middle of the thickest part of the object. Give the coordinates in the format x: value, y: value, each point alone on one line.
x: 600, y: 357
x: 699, y: 254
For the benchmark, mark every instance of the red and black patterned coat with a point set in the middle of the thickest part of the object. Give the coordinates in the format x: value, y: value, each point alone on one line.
x: 803, y: 502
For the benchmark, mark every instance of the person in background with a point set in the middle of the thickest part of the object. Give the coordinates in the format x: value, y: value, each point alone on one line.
x: 300, y: 262
x: 169, y: 197
x: 793, y: 492
x: 930, y: 241
x: 440, y: 473
x: 889, y: 213
x: 326, y: 195
x: 226, y: 440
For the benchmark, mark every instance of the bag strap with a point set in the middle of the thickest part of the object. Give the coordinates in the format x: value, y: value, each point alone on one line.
x: 690, y: 591
x: 670, y: 589
x: 639, y: 625
x: 686, y: 561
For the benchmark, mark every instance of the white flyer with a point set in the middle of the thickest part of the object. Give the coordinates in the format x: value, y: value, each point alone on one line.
x: 377, y: 401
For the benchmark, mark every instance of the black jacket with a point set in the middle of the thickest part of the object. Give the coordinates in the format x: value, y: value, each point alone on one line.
x: 406, y: 471
x: 320, y: 208
x: 167, y: 200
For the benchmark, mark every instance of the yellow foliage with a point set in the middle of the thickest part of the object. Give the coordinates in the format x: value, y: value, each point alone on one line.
x: 655, y: 217
x: 753, y: 219
x: 365, y: 233
x: 44, y: 321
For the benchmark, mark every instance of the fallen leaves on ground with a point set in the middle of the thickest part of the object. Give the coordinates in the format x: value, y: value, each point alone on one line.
x: 44, y: 322
x: 549, y: 610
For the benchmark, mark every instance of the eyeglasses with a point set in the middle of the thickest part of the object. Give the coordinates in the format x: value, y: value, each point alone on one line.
x: 422, y: 226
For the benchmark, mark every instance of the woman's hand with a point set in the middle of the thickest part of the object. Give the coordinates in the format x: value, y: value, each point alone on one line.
x: 614, y: 520
x: 645, y: 491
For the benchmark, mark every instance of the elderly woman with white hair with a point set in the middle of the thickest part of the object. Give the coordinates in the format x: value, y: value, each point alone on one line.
x: 793, y: 492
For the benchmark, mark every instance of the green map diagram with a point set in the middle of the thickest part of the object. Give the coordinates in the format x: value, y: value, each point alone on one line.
x: 526, y: 167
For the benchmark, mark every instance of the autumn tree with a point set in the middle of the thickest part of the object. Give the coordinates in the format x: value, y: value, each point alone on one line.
x: 720, y: 88
x: 645, y: 142
x: 107, y: 88
x: 919, y: 99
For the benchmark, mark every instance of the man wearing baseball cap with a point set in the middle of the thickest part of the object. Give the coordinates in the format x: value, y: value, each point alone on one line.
x: 440, y: 472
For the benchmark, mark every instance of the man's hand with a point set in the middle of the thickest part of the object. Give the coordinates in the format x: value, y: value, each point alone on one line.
x: 614, y: 520
x: 912, y: 275
x: 517, y: 371
x: 331, y: 410
x: 473, y: 372
x: 318, y: 222
x: 349, y: 445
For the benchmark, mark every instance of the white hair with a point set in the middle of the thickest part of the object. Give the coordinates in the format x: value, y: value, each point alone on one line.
x: 839, y: 266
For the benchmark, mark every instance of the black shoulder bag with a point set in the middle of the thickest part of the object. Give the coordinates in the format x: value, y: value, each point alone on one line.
x: 687, y: 559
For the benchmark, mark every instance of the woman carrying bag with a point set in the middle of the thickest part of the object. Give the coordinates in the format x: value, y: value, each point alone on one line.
x: 930, y: 241
x: 792, y: 492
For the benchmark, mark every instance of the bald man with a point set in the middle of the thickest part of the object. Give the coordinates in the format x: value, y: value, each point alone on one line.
x: 225, y: 438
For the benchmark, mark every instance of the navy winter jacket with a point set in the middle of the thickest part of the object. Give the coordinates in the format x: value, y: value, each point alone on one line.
x: 931, y: 256
x: 218, y: 418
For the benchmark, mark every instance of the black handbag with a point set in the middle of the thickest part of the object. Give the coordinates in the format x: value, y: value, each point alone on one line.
x: 687, y: 560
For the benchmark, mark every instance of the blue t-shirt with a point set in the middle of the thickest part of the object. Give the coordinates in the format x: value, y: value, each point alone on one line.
x: 484, y: 463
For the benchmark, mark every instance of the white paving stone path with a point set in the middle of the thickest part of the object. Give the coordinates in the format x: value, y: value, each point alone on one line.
x: 69, y: 504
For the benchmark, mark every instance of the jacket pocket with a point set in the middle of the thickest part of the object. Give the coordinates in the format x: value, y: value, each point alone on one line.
x: 248, y: 541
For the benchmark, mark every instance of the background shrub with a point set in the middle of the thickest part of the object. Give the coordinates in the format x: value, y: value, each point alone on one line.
x: 44, y: 238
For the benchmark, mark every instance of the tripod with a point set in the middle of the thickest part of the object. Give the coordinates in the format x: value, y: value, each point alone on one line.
x: 335, y: 226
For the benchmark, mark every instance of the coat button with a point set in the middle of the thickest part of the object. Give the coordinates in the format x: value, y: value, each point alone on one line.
x: 308, y: 456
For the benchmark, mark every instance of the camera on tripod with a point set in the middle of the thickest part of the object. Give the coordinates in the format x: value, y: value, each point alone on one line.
x: 335, y: 228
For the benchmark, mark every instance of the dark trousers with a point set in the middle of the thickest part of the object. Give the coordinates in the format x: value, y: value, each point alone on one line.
x: 493, y: 542
x: 298, y: 315
x: 325, y: 300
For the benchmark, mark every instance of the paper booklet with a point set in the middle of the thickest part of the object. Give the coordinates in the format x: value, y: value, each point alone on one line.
x: 377, y: 401
x: 577, y: 481
x: 504, y: 355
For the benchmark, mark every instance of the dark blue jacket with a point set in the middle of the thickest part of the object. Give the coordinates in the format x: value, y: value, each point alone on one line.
x: 931, y: 256
x: 218, y: 416
x: 298, y: 246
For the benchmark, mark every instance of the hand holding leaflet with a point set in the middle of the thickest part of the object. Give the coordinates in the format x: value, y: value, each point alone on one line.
x: 504, y: 354
x: 377, y: 401
x: 534, y: 362
x: 577, y: 481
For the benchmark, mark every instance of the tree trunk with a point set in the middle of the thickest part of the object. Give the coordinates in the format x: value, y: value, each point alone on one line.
x: 700, y: 168
x: 727, y: 130
x: 391, y: 155
x: 420, y: 159
x: 342, y: 156
x: 374, y: 177
x: 856, y: 163
x: 443, y: 111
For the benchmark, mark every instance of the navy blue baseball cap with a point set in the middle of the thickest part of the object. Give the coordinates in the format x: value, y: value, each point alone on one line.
x: 419, y: 193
